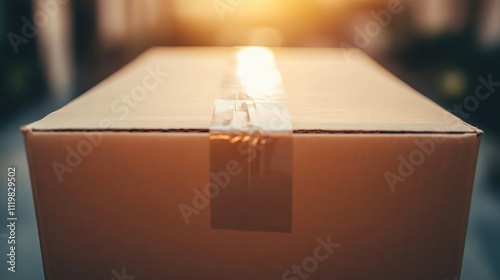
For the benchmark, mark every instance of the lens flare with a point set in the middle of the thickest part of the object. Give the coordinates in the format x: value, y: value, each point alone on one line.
x: 257, y: 71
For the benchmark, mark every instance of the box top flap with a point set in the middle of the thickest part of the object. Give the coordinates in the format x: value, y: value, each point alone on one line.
x: 169, y: 89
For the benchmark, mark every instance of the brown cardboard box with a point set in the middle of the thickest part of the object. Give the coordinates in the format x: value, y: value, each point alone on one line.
x: 382, y: 177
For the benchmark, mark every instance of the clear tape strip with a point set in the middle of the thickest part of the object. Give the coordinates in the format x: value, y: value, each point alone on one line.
x: 251, y: 147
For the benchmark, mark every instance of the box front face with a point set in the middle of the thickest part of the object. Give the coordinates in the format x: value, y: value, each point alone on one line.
x: 137, y: 201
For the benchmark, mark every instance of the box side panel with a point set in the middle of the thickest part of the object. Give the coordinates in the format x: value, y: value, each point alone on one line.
x: 111, y: 200
x: 134, y: 203
x: 32, y: 160
x: 398, y: 204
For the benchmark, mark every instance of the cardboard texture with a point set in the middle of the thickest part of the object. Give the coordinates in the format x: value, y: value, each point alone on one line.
x: 381, y: 176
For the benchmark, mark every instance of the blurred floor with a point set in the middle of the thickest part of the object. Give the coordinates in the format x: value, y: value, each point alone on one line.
x: 482, y: 250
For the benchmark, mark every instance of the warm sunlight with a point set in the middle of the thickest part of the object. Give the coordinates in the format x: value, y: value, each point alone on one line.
x: 256, y: 69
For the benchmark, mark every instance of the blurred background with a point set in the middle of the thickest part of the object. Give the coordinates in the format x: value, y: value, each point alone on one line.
x: 54, y: 50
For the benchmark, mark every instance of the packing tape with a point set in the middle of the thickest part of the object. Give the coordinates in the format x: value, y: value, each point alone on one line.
x: 251, y: 147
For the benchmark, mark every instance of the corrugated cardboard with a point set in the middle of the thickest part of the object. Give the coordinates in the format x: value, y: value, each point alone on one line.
x: 380, y: 173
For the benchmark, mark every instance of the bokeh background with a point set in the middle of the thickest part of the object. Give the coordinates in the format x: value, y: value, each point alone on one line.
x: 54, y: 50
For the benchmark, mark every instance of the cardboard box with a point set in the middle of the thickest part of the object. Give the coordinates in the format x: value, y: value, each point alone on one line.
x: 379, y: 185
